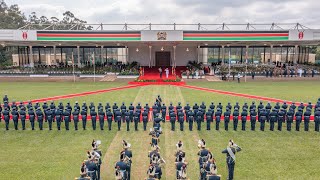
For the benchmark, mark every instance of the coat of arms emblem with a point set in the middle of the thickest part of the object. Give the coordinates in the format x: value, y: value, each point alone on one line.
x: 162, y: 35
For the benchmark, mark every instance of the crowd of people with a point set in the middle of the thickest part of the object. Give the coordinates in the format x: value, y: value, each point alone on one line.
x: 261, y: 113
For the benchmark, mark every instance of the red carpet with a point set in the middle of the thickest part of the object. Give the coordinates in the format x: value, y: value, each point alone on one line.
x: 153, y: 73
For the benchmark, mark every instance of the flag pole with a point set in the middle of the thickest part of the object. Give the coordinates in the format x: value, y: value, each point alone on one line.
x: 74, y: 77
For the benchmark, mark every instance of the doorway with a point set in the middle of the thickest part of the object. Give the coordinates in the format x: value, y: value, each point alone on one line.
x: 163, y: 58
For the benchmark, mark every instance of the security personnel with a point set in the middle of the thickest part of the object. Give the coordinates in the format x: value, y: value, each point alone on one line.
x: 59, y: 117
x: 84, y: 114
x: 164, y: 112
x: 123, y: 111
x: 317, y: 119
x: 244, y: 115
x: 190, y: 119
x: 101, y: 118
x: 118, y: 118
x: 262, y: 118
x: 281, y: 119
x: 273, y: 118
x: 22, y: 113
x: 49, y: 118
x: 173, y: 118
x: 109, y: 118
x: 260, y: 107
x: 136, y: 119
x: 235, y: 118
x: 66, y: 118
x: 40, y: 117
x: 290, y: 115
x: 268, y: 111
x: 127, y: 119
x: 209, y: 119
x: 114, y: 109
x: 6, y: 117
x: 181, y: 119
x: 15, y: 117
x: 227, y: 115
x: 230, y: 151
x: 253, y: 119
x: 131, y: 112
x: 93, y: 115
x: 145, y: 119
x: 75, y: 115
x: 218, y: 117
x: 307, y: 115
x: 298, y: 118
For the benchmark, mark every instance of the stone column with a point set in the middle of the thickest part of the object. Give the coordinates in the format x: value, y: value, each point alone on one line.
x: 174, y: 64
x: 150, y: 56
x: 271, y: 54
x: 54, y: 54
x: 205, y: 56
x: 198, y: 51
x: 31, y: 57
x: 78, y: 56
x: 223, y: 55
x: 296, y: 54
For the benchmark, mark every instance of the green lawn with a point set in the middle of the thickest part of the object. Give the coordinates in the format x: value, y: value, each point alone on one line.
x: 58, y: 155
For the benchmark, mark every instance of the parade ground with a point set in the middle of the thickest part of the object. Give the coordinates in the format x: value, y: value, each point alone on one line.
x: 58, y: 154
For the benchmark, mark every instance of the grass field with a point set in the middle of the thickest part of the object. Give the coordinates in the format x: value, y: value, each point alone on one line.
x: 58, y: 155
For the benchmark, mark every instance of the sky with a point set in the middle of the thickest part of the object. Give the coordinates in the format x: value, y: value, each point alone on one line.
x: 306, y: 12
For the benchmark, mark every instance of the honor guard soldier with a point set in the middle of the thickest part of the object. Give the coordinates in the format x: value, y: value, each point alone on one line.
x: 5, y: 99
x: 290, y: 115
x: 273, y: 118
x: 281, y: 119
x: 186, y: 111
x: 317, y: 119
x: 84, y: 114
x: 127, y: 119
x: 6, y: 106
x: 61, y: 107
x: 131, y: 112
x: 212, y: 106
x: 127, y: 153
x: 203, y: 108
x: 284, y: 106
x: 209, y: 119
x: 195, y: 109
x: 118, y: 118
x: 154, y: 110
x: 218, y: 118
x: 145, y: 119
x: 293, y: 107
x: 121, y: 167
x: 40, y: 117
x: 0, y: 112
x: 262, y: 119
x: 91, y: 167
x: 101, y: 118
x: 136, y: 119
x: 123, y: 111
x: 21, y: 105
x: 157, y: 127
x: 93, y: 115
x: 236, y: 106
x: 75, y: 116
x: 45, y: 107
x: 181, y: 119
x: 173, y: 118
x: 179, y: 106
x: 146, y: 107
x: 6, y: 117
x: 114, y: 109
x: 203, y: 153
x: 13, y: 105
x: 49, y: 117
x: 29, y: 105
x: 309, y: 106
x: 235, y: 118
x: 181, y: 167
x: 231, y: 151
x: 164, y: 112
x: 23, y: 116
x: 69, y: 108
x: 227, y: 115
x: 31, y: 117
x: 260, y: 107
x: 252, y: 106
x: 109, y: 118
x: 277, y: 107
x: 66, y: 118
x: 268, y: 111
x: 138, y: 106
x: 245, y: 106
x: 100, y: 106
x: 199, y: 119
x: 244, y: 115
x: 84, y: 106
x: 229, y: 106
x: 191, y: 116
x: 107, y: 106
x: 15, y: 117
x: 307, y: 115
x: 301, y: 106
x: 220, y: 106
x: 59, y: 117
x: 159, y: 101
x: 53, y: 110
x: 298, y: 118
x: 76, y: 106
x: 92, y: 106
x: 253, y: 119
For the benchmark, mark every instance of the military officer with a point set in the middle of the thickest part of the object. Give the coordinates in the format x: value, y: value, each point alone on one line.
x: 66, y: 118
x: 45, y: 107
x: 84, y: 106
x: 307, y: 115
x: 138, y: 106
x: 186, y: 111
x: 301, y: 106
x: 155, y: 110
x: 260, y: 107
x: 203, y: 108
x: 218, y: 118
x: 131, y: 112
x: 5, y: 99
x: 76, y: 106
x: 23, y: 116
x: 123, y: 108
x: 49, y: 118
x: 164, y: 112
x: 281, y: 119
x: 107, y: 106
x: 60, y: 106
x: 236, y: 106
x: 191, y: 116
x: 59, y: 117
x: 195, y: 109
x: 298, y: 118
x: 235, y: 118
x: 100, y: 106
x: 109, y: 118
x: 309, y: 105
x: 92, y: 106
x: 84, y: 114
x: 245, y: 106
x: 262, y: 119
x: 136, y: 119
x: 53, y: 110
x: 127, y: 152
x: 209, y: 119
x: 227, y: 115
x: 253, y: 119
x: 29, y: 105
x: 40, y: 117
x: 244, y: 115
x: 173, y: 118
x: 317, y: 119
x: 6, y: 117
x: 93, y: 115
x: 273, y: 118
x: 101, y: 118
x: 290, y: 115
x: 114, y: 109
x: 14, y: 105
x: 127, y: 119
x: 118, y: 118
x: 75, y: 115
x: 15, y: 117
x: 181, y: 119
x: 277, y: 107
x: 231, y: 151
x: 145, y: 119
x: 268, y: 111
x: 146, y: 107
x: 121, y: 166
x: 229, y: 106
x: 293, y: 107
x: 178, y: 106
x: 199, y: 117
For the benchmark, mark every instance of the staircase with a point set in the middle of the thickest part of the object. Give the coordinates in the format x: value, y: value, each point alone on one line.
x: 108, y: 78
